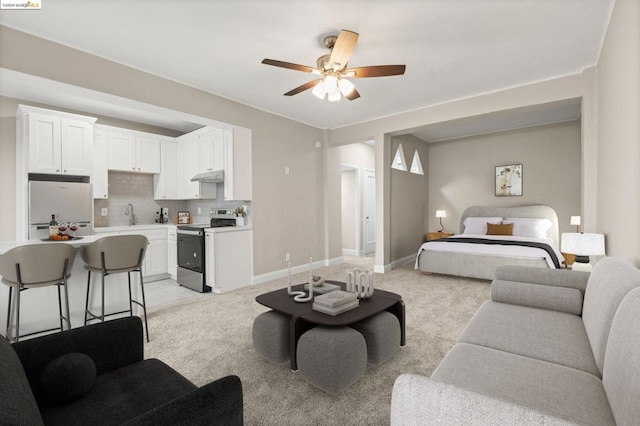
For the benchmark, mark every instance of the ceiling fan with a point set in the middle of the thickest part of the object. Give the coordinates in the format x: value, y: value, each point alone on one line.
x: 333, y: 69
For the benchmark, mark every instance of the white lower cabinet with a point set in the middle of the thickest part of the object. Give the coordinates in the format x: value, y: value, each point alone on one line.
x: 172, y: 253
x: 155, y: 264
x: 229, y: 263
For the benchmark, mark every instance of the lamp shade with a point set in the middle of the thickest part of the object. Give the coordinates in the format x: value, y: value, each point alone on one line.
x: 575, y: 220
x: 441, y: 213
x: 583, y: 244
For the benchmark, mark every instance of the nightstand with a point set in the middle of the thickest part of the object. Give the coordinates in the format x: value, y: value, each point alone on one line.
x: 569, y: 259
x: 437, y: 235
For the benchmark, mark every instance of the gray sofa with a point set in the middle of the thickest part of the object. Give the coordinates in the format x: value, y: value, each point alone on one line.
x: 550, y: 347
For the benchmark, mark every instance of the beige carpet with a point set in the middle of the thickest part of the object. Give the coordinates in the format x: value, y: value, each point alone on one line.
x: 210, y: 337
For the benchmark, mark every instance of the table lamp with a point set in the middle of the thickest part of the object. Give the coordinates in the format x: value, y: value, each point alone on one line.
x: 440, y: 214
x: 575, y: 221
x: 582, y: 246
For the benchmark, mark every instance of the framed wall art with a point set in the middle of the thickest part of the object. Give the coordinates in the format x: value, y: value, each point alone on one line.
x: 509, y: 180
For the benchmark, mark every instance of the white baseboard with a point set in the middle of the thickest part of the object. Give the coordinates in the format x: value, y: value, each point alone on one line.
x: 349, y: 252
x: 382, y: 269
x: 282, y: 273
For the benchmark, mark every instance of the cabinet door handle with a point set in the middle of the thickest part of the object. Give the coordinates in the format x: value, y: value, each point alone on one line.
x: 133, y: 168
x: 57, y: 170
x: 138, y: 168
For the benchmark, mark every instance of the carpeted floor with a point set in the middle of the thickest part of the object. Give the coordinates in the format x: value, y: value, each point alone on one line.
x: 210, y: 337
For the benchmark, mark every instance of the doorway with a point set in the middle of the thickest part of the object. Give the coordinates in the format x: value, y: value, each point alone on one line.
x: 358, y: 199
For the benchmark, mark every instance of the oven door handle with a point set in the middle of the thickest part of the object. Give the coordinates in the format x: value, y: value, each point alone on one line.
x: 188, y: 232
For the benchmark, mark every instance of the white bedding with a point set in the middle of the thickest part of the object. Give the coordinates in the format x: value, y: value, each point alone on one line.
x: 494, y: 249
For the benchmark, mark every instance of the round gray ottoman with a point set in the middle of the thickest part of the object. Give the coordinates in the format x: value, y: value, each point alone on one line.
x: 332, y: 358
x: 271, y: 336
x: 382, y: 334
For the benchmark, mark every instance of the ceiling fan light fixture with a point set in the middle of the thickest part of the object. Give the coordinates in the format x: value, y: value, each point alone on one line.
x: 318, y: 91
x: 334, y: 96
x: 331, y: 84
x: 346, y: 87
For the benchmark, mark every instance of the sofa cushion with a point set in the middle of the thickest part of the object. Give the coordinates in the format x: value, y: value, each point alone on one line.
x: 67, y: 378
x: 563, y: 392
x: 17, y: 403
x: 120, y: 395
x: 608, y: 284
x: 551, y: 336
x: 621, y: 374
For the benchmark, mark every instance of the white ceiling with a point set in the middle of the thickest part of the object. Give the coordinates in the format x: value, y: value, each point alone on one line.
x: 453, y: 49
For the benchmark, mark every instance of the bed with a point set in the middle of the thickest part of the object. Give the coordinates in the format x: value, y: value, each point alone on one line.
x: 476, y: 255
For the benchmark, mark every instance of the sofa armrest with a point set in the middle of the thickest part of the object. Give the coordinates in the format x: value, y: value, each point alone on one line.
x: 561, y: 299
x: 112, y: 345
x: 420, y: 400
x: 543, y: 276
x: 217, y: 403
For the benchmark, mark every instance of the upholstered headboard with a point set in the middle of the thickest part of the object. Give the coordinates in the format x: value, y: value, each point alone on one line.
x: 534, y: 211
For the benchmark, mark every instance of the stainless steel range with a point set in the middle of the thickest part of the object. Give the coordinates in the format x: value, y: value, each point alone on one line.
x: 191, y: 250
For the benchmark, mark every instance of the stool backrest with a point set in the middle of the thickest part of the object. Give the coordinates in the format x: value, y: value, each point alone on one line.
x: 121, y: 252
x: 39, y: 263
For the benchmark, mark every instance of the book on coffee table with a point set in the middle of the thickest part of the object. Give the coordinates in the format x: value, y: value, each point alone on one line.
x: 324, y: 288
x: 335, y: 298
x: 337, y: 310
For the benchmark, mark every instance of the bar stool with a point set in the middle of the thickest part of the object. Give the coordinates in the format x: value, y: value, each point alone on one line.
x: 35, y: 266
x: 115, y: 255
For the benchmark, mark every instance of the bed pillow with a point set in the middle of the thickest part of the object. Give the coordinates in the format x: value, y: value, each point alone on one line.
x: 478, y: 225
x: 502, y: 229
x: 529, y: 227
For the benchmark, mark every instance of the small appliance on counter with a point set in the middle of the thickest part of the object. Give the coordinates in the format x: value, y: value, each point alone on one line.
x: 191, y: 250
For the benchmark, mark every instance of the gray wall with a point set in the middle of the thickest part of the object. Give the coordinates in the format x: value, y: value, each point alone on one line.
x: 461, y: 172
x: 409, y: 200
x: 618, y: 150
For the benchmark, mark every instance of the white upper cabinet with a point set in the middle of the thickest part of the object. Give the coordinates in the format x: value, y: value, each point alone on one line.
x: 211, y: 147
x: 131, y: 151
x: 100, y: 176
x: 58, y: 143
x: 166, y: 182
x: 148, y: 154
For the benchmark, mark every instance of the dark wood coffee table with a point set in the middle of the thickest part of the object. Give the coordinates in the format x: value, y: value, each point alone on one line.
x: 303, y: 317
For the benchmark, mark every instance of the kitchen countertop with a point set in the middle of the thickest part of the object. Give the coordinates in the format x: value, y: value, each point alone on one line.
x: 5, y: 246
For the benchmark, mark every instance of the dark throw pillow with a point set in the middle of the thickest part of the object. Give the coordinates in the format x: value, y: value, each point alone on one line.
x: 67, y: 378
x: 505, y: 229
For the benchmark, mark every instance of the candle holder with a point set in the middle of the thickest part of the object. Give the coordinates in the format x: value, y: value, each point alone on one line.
x: 299, y: 295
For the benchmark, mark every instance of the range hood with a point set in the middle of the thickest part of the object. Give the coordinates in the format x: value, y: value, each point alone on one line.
x: 209, y: 177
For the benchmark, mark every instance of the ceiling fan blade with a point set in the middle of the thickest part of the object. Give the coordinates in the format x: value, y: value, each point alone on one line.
x: 304, y: 87
x: 343, y: 49
x: 353, y: 95
x: 289, y: 65
x: 376, y: 71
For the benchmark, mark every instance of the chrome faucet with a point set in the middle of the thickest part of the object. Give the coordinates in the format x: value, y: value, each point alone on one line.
x: 129, y: 212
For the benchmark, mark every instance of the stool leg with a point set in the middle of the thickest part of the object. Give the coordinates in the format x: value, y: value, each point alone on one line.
x: 60, y: 308
x: 7, y: 336
x: 130, y: 298
x: 66, y: 301
x: 102, y: 289
x: 86, y: 303
x: 144, y: 306
x: 16, y: 308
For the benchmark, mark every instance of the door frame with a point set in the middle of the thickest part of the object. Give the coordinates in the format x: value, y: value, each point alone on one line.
x: 363, y: 215
x: 358, y: 202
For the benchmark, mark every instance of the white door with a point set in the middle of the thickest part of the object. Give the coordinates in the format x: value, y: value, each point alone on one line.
x: 147, y: 155
x: 77, y: 148
x: 122, y: 151
x: 44, y: 144
x: 369, y: 212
